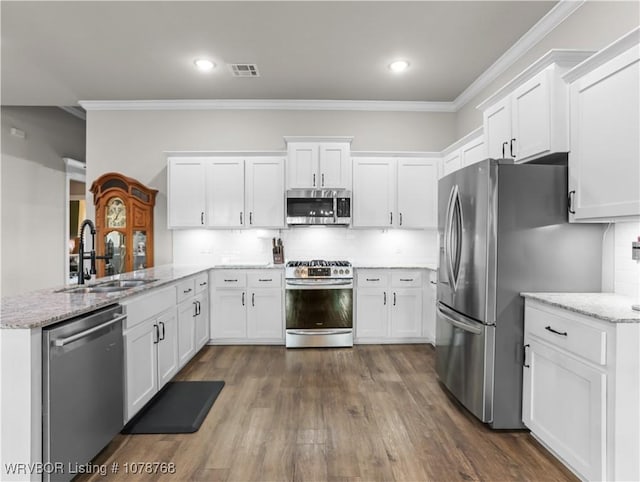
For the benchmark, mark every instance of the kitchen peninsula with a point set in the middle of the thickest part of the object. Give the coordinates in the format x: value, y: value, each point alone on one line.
x: 21, y: 328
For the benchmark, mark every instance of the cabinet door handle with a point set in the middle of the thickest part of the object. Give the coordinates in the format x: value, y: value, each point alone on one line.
x: 156, y: 337
x: 243, y: 298
x: 503, y: 146
x: 400, y: 219
x: 265, y: 280
x: 204, y: 283
x: 199, y: 308
x: 561, y: 333
x: 524, y: 360
x: 163, y: 333
x: 511, y: 148
x: 250, y: 217
x: 253, y: 299
x: 385, y: 298
x: 230, y: 280
x: 570, y: 202
x: 406, y: 279
x: 391, y: 218
x: 394, y: 298
x: 433, y: 282
x: 241, y: 218
x: 314, y: 180
x: 373, y: 279
x: 202, y: 217
x: 195, y: 309
x: 322, y: 179
x: 186, y: 291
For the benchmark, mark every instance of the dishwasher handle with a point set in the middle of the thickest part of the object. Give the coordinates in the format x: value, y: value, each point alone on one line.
x: 82, y: 334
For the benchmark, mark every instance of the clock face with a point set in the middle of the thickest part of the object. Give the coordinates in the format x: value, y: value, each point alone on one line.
x: 116, y: 213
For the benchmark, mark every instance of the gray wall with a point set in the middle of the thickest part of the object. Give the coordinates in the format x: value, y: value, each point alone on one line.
x: 133, y: 142
x: 33, y: 195
x: 591, y: 27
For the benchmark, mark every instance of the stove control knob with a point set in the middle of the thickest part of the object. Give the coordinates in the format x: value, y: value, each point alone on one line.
x: 335, y: 271
x: 298, y: 271
x: 341, y: 271
x: 346, y: 271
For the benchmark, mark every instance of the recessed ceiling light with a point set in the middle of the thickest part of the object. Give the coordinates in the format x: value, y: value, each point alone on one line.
x: 398, y: 66
x: 204, y: 64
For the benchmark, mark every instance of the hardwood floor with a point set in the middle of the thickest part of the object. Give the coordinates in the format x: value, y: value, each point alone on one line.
x: 374, y: 412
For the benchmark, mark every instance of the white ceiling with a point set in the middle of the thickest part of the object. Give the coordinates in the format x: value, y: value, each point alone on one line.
x: 57, y: 53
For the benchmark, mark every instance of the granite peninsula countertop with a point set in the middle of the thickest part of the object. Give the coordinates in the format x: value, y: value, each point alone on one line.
x: 45, y: 307
x: 248, y: 266
x: 609, y: 307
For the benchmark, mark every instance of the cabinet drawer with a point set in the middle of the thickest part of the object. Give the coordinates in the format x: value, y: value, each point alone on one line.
x: 202, y: 282
x: 367, y: 278
x: 264, y: 279
x: 571, y: 335
x: 186, y: 289
x: 229, y: 278
x: 146, y: 306
x: 406, y: 279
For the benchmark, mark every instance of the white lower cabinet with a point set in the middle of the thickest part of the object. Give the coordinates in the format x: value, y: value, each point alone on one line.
x: 247, y: 307
x: 164, y: 329
x: 388, y: 306
x: 581, y: 391
x: 151, y: 346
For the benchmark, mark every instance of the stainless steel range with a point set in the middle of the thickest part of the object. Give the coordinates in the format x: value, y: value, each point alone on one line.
x: 319, y: 304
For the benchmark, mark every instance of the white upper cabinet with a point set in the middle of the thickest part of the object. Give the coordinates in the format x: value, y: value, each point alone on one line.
x: 390, y: 192
x: 497, y: 127
x: 186, y: 192
x: 604, y: 162
x: 417, y: 193
x: 264, y: 191
x: 528, y: 117
x: 473, y: 151
x: 469, y: 149
x: 318, y: 163
x: 373, y: 191
x: 451, y: 162
x: 226, y: 192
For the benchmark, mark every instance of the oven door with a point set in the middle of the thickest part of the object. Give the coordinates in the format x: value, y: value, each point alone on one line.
x: 319, y: 304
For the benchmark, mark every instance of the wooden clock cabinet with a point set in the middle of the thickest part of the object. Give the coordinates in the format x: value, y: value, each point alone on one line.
x: 124, y: 223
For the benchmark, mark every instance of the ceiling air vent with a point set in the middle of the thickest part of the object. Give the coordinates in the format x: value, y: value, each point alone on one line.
x: 244, y: 70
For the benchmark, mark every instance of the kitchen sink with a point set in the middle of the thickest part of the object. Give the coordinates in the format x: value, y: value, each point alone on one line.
x: 107, y: 286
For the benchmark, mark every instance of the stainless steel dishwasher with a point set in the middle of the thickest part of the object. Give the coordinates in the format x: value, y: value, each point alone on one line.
x: 82, y: 389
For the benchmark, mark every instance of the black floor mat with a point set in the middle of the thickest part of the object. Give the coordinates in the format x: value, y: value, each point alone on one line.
x: 180, y: 407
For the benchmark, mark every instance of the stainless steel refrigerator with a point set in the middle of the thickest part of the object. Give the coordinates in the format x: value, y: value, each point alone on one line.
x: 503, y: 230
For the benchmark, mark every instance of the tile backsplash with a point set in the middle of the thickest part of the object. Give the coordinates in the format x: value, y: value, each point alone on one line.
x: 363, y: 247
x: 626, y: 270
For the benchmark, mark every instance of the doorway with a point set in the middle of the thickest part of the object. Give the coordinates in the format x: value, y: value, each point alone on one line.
x: 76, y: 212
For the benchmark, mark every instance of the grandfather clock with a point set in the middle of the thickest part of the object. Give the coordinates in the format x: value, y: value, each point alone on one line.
x: 124, y: 223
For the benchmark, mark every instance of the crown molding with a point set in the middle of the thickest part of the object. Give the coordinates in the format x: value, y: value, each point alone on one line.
x: 268, y: 104
x: 611, y: 51
x: 348, y: 139
x: 539, y: 31
x: 197, y: 154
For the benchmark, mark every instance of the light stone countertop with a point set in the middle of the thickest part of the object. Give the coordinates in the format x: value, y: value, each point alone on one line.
x: 248, y: 266
x: 609, y: 307
x: 428, y: 266
x: 45, y: 307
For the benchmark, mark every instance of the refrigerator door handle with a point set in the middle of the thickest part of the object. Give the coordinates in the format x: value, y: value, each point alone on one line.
x: 456, y: 214
x: 457, y: 321
x: 447, y: 237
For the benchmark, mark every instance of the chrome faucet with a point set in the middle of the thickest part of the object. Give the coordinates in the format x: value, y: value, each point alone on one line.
x: 92, y: 254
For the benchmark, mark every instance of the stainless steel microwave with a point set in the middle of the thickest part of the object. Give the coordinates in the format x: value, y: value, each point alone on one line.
x: 318, y: 206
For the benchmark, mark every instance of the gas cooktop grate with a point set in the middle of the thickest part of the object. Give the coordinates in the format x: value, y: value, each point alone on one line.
x: 317, y: 262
